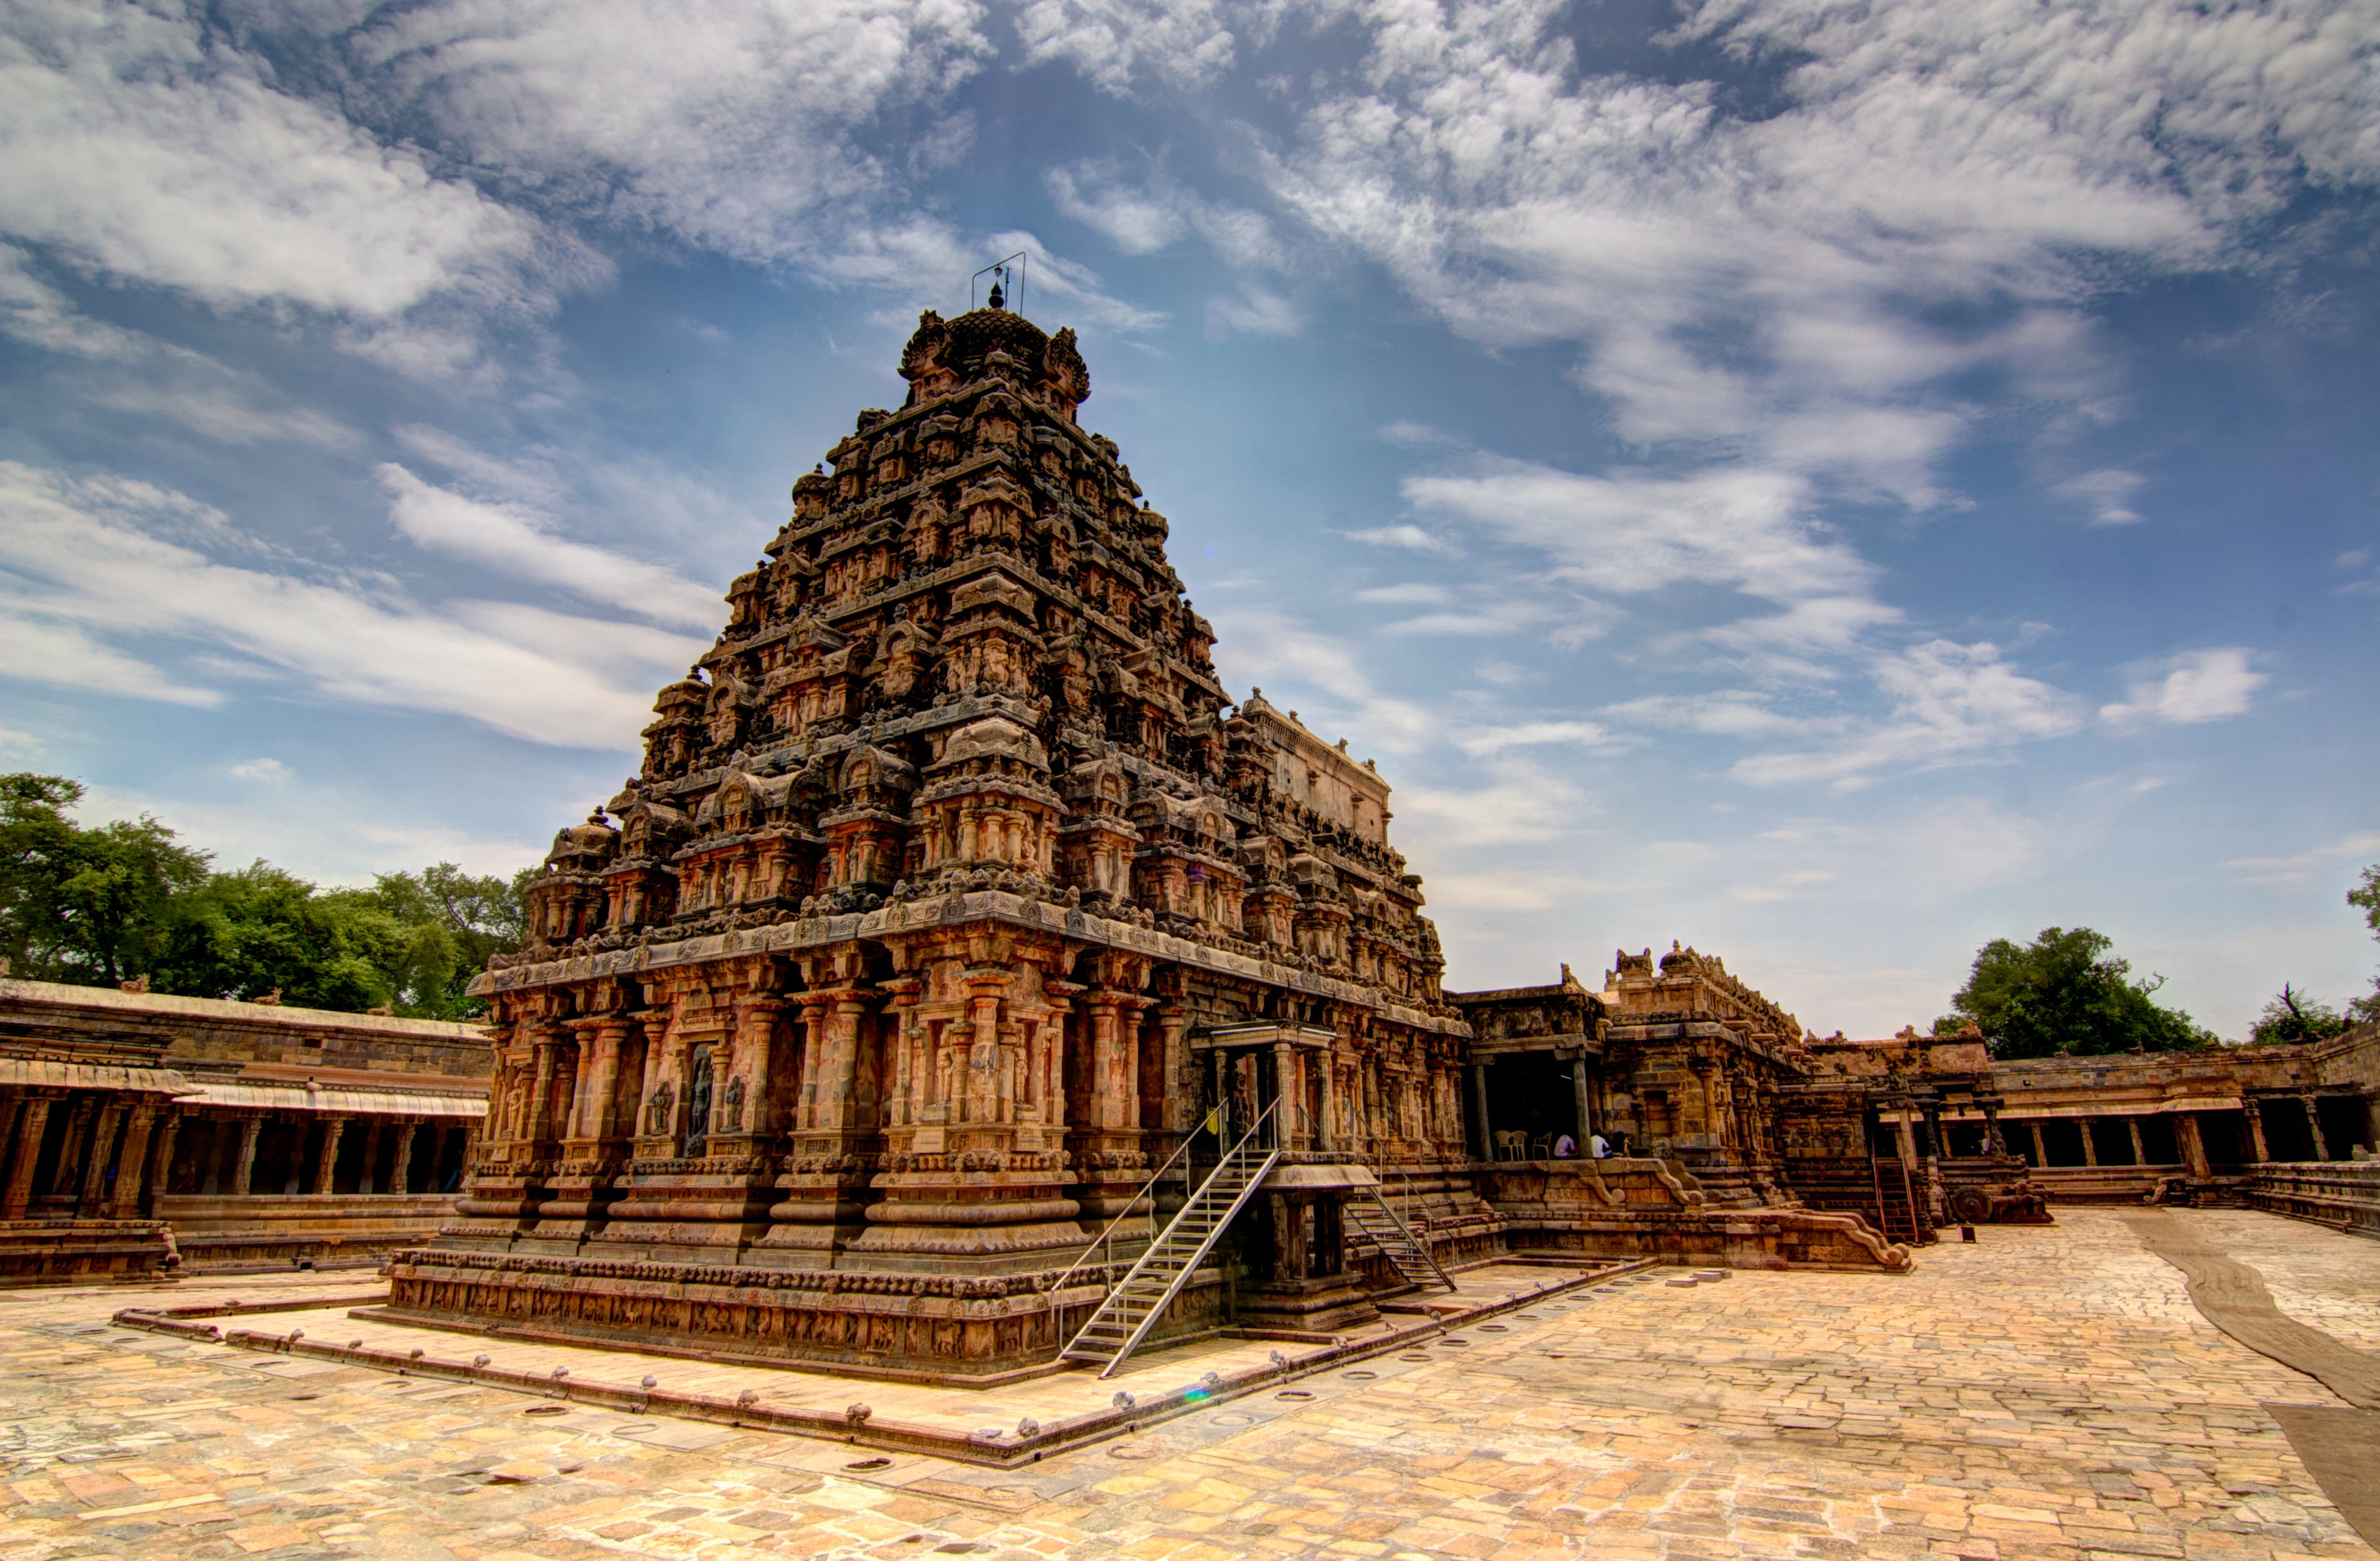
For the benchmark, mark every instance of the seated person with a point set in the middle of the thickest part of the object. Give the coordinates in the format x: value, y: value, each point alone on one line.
x: 1597, y: 1147
x: 1565, y: 1146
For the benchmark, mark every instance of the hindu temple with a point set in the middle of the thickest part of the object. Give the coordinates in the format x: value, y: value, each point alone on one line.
x: 968, y: 981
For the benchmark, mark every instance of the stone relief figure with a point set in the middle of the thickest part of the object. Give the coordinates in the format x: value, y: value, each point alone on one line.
x: 658, y: 1109
x: 731, y: 1115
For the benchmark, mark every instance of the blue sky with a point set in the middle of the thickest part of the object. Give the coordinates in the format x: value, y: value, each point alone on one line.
x: 1831, y: 484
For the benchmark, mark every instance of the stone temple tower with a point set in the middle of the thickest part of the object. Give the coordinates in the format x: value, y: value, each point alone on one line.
x: 953, y: 894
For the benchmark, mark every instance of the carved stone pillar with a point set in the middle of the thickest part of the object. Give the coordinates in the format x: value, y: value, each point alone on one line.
x: 327, y: 1166
x: 1582, y: 1106
x: 2314, y: 1126
x: 132, y: 1161
x: 1995, y: 1141
x: 245, y: 1167
x: 368, y: 1181
x: 2090, y: 1141
x: 539, y: 1126
x: 401, y: 1167
x: 161, y: 1153
x: 102, y: 1155
x: 1480, y: 1126
x: 2139, y: 1149
x: 1180, y: 1094
x: 2256, y: 1131
x: 17, y: 1192
x: 1326, y: 1099
x: 2194, y: 1145
x: 2040, y: 1149
x: 74, y: 1153
x: 1288, y: 1112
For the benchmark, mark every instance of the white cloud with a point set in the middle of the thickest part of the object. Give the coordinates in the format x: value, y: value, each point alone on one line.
x: 2301, y: 866
x: 139, y: 149
x: 520, y: 542
x: 269, y: 771
x: 15, y: 744
x: 2197, y: 686
x: 99, y: 551
x: 1727, y: 713
x: 1950, y: 702
x: 1076, y: 283
x: 218, y: 409
x: 1535, y: 734
x: 1769, y: 298
x: 2106, y: 493
x: 1264, y: 644
x: 1256, y: 312
x: 39, y: 315
x: 1524, y: 802
x: 1110, y: 41
x: 1411, y: 594
x: 1407, y: 433
x: 1138, y: 221
x: 35, y: 647
x: 727, y: 123
x: 1403, y: 535
x: 1505, y: 674
x: 1501, y: 618
x: 1635, y: 534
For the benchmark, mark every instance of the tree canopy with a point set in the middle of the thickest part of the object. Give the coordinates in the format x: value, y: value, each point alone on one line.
x: 2066, y: 993
x: 97, y: 905
x: 2293, y: 1016
x: 2365, y: 897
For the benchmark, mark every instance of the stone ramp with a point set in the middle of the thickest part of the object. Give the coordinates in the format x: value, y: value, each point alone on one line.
x: 2232, y: 1296
x: 2340, y: 1447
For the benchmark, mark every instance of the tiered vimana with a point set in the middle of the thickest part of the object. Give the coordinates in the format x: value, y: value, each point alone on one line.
x: 953, y: 894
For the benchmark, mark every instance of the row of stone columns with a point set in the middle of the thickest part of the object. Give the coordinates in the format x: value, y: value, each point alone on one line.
x: 2188, y: 1137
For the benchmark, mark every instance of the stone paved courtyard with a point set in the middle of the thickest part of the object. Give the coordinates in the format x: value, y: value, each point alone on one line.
x: 2045, y: 1392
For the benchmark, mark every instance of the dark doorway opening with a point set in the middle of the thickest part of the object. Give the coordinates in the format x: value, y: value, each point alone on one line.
x: 1531, y: 1092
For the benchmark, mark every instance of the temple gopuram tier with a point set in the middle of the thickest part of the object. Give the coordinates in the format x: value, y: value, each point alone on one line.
x: 955, y: 897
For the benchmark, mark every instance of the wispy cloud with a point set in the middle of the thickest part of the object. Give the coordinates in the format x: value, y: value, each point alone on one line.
x: 1536, y: 734
x: 1950, y: 702
x: 2106, y: 494
x: 93, y: 547
x: 2301, y: 866
x: 2197, y: 686
x: 520, y: 542
x: 1732, y: 712
x: 1403, y: 533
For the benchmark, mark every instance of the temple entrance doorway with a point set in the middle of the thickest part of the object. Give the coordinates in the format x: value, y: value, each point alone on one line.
x: 1532, y: 1093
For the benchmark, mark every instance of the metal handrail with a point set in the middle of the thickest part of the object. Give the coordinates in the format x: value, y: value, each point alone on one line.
x: 1147, y: 1189
x: 1149, y: 1320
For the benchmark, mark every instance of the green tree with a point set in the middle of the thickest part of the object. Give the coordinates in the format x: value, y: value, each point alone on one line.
x: 2293, y: 1016
x: 2066, y: 993
x: 261, y: 929
x: 82, y: 904
x: 453, y: 921
x: 2365, y: 897
x: 103, y: 904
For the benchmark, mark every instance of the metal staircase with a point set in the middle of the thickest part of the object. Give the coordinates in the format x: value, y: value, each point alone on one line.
x: 1123, y: 1319
x: 1406, y: 1253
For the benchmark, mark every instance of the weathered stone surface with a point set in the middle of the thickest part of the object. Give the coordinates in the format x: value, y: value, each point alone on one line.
x: 141, y: 1133
x: 953, y: 894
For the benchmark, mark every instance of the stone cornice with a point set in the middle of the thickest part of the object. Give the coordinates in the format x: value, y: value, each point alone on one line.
x: 951, y: 910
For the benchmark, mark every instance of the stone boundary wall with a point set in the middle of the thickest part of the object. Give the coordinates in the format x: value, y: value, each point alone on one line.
x: 2344, y: 1195
x: 271, y: 1230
